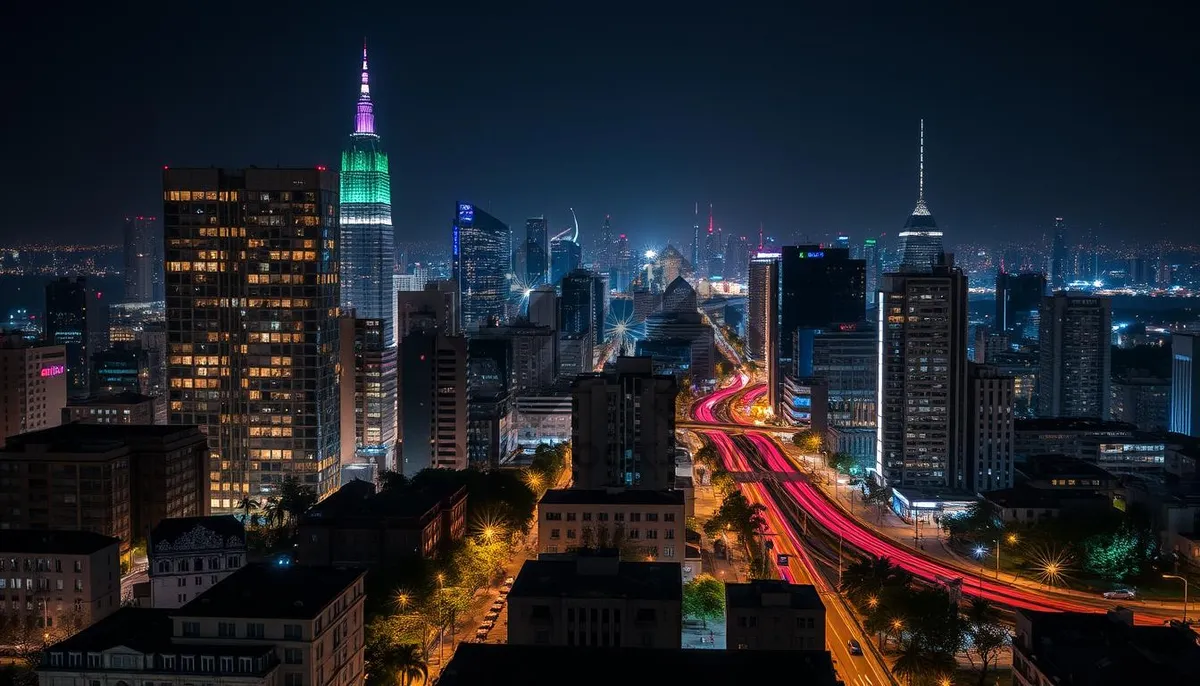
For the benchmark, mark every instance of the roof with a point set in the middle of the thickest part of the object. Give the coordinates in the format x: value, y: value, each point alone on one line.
x: 773, y: 593
x: 202, y: 533
x: 146, y: 630
x: 40, y: 541
x: 358, y: 500
x: 572, y: 496
x: 598, y: 576
x: 479, y: 663
x: 1053, y: 465
x: 93, y: 438
x: 122, y: 398
x: 1071, y: 424
x: 273, y: 591
x: 1035, y: 498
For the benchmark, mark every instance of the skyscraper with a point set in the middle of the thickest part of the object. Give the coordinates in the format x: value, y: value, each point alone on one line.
x: 988, y: 459
x: 577, y: 308
x: 874, y: 268
x: 920, y: 241
x: 606, y: 246
x: 1185, y: 384
x: 252, y: 324
x: 143, y: 260
x: 433, y: 398
x: 67, y: 325
x: 566, y: 255
x: 536, y: 252
x: 481, y: 261
x: 762, y: 318
x: 821, y: 287
x: 922, y: 335
x: 625, y: 266
x: 1059, y: 256
x: 368, y: 253
x: 1018, y: 297
x: 375, y: 381
x: 1075, y: 356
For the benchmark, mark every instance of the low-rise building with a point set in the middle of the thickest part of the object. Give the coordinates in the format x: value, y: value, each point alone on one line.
x: 59, y: 580
x: 358, y: 526
x: 646, y: 524
x: 542, y: 419
x: 774, y: 615
x: 596, y: 600
x: 1025, y: 505
x: 111, y: 408
x: 190, y: 555
x: 265, y: 625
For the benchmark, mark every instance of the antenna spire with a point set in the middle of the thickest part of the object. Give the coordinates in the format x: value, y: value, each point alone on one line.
x: 760, y: 236
x: 364, y: 118
x: 920, y: 167
x: 710, y: 218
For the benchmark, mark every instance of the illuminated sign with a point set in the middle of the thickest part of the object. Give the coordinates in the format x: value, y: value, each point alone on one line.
x: 456, y: 240
x: 466, y: 213
x: 54, y: 370
x: 813, y: 255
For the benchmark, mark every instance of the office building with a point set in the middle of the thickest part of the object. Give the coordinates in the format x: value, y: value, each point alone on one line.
x: 481, y: 262
x: 1060, y: 259
x: 112, y: 408
x: 67, y: 325
x: 578, y: 306
x: 773, y: 615
x: 123, y: 368
x: 920, y: 240
x: 374, y: 394
x: 845, y: 359
x: 539, y: 419
x: 189, y: 555
x: 264, y: 625
x: 566, y: 254
x: 532, y: 354
x: 1075, y: 359
x: 543, y: 307
x: 1185, y: 384
x: 988, y: 460
x: 433, y: 398
x: 71, y: 578
x: 1142, y: 401
x: 249, y: 358
x: 643, y: 524
x: 624, y: 267
x: 34, y: 391
x: 922, y: 376
x: 537, y: 252
x: 872, y: 258
x: 762, y: 319
x: 596, y: 600
x: 1018, y: 301
x: 367, y: 254
x: 820, y: 288
x: 623, y: 428
x: 119, y: 480
x: 438, y: 299
x: 143, y: 260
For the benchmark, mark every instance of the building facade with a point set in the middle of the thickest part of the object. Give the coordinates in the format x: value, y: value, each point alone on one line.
x: 433, y: 399
x: 991, y: 433
x: 143, y: 260
x: 59, y: 581
x: 374, y: 394
x: 773, y: 615
x: 252, y: 308
x: 1075, y: 358
x: 113, y: 408
x: 67, y: 325
x: 644, y: 524
x: 189, y: 555
x: 34, y: 391
x: 1185, y: 384
x: 481, y: 261
x: 762, y: 319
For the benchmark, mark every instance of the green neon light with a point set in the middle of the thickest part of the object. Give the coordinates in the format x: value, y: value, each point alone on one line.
x: 365, y: 177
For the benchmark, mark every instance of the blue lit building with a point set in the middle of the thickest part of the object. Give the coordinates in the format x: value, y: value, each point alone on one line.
x: 536, y: 252
x: 481, y: 261
x: 1185, y: 384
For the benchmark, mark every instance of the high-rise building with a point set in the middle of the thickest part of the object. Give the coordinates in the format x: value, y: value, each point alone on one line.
x: 536, y: 252
x: 67, y: 325
x: 143, y: 260
x: 1059, y: 256
x: 368, y: 254
x: 34, y: 389
x: 375, y: 379
x: 623, y: 428
x: 762, y: 319
x: 438, y: 299
x: 624, y: 268
x: 600, y: 292
x: 921, y: 240
x: 1018, y: 299
x: 1185, y: 384
x: 1075, y: 358
x: 922, y: 335
x: 988, y: 459
x: 696, y: 249
x: 606, y: 246
x: 543, y: 307
x: 481, y: 261
x: 820, y: 288
x: 252, y: 309
x: 737, y: 258
x: 873, y: 267
x: 846, y: 360
x: 123, y: 368
x: 577, y: 309
x: 433, y: 399
x: 565, y: 256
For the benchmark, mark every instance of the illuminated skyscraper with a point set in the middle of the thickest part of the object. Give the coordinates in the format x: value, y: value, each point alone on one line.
x: 67, y: 325
x: 536, y: 250
x: 920, y: 241
x: 1075, y: 356
x: 481, y: 262
x: 1059, y: 256
x: 143, y: 260
x: 252, y: 324
x: 762, y: 319
x: 368, y: 253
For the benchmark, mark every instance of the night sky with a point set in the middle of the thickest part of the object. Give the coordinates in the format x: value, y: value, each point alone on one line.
x: 805, y: 121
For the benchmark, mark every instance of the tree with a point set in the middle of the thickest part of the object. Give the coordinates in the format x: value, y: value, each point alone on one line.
x: 392, y: 481
x: 273, y: 513
x: 840, y: 462
x: 249, y: 508
x: 399, y: 665
x: 871, y: 578
x: 704, y: 598
x: 879, y: 496
x: 915, y: 664
x: 1120, y: 555
x: 295, y: 498
x: 986, y: 636
x: 808, y: 440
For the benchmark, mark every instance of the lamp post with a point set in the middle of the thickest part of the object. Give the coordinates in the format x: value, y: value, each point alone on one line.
x: 1185, y: 592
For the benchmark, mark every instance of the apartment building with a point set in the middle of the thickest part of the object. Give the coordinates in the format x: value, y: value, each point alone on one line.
x: 774, y: 615
x: 59, y: 580
x: 190, y: 555
x: 647, y: 524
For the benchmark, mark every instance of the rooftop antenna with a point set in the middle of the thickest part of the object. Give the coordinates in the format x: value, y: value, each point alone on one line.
x: 921, y: 166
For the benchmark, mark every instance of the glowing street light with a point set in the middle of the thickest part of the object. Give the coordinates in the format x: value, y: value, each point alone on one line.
x: 1185, y: 592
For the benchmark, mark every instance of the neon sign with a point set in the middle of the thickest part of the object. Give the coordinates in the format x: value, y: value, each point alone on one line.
x: 466, y: 213
x: 54, y: 370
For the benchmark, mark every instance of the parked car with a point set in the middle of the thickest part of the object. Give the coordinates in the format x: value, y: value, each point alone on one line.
x: 1121, y: 594
x: 854, y: 647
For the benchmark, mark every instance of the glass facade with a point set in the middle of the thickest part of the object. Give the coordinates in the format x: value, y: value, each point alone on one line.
x: 252, y: 334
x: 482, y: 262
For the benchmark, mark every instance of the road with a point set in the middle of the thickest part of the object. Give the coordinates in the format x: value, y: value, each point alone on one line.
x: 725, y: 409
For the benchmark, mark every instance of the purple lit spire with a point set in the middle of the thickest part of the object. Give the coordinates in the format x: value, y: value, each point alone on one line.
x: 364, y: 119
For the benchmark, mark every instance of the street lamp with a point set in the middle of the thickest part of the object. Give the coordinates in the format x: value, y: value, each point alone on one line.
x: 1011, y: 539
x: 1185, y: 592
x: 980, y: 554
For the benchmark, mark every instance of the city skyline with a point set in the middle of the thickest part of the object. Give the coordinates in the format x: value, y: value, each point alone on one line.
x: 832, y: 149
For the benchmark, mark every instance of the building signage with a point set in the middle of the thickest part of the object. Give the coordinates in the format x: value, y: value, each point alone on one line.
x: 813, y: 255
x: 54, y: 370
x: 466, y: 214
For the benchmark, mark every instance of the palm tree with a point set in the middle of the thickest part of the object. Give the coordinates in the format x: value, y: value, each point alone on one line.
x: 401, y: 665
x: 295, y: 499
x: 912, y: 663
x: 249, y: 506
x: 273, y: 513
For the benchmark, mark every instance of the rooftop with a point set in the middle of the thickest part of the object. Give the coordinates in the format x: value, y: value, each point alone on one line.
x: 598, y: 576
x: 1056, y: 465
x: 1040, y: 498
x: 93, y: 438
x: 146, y: 630
x: 1072, y: 424
x: 359, y: 500
x: 42, y: 542
x: 273, y: 591
x: 480, y: 663
x: 122, y: 398
x: 222, y: 528
x: 773, y: 593
x: 571, y: 496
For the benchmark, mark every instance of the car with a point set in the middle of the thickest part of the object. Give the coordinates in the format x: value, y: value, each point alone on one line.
x: 487, y: 625
x: 854, y: 647
x: 1121, y: 594
x: 509, y: 581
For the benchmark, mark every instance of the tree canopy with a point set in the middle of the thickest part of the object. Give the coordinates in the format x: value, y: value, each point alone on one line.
x: 704, y: 598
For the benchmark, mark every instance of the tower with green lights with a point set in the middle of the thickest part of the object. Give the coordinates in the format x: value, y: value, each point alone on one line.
x: 367, y: 260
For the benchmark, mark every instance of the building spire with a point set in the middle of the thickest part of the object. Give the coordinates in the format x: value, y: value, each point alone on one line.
x: 760, y: 236
x: 364, y: 118
x: 710, y: 218
x: 920, y: 164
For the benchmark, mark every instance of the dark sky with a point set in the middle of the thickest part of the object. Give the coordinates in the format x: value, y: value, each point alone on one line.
x: 804, y: 120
